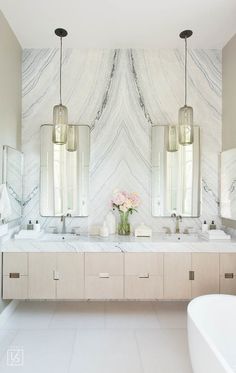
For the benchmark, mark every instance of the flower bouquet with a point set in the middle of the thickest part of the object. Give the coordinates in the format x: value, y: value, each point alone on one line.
x: 125, y: 203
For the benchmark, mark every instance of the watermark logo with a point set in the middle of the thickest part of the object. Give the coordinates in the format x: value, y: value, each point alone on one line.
x: 15, y: 357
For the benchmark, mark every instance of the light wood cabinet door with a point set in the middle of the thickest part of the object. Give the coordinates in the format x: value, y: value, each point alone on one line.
x: 15, y: 275
x: 143, y: 275
x: 15, y: 263
x: 104, y: 276
x: 42, y: 267
x: 206, y: 274
x: 70, y: 274
x: 15, y: 288
x: 228, y: 273
x: 176, y: 276
x: 111, y: 263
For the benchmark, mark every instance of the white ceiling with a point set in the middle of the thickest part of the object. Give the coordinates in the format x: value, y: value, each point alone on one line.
x: 121, y: 23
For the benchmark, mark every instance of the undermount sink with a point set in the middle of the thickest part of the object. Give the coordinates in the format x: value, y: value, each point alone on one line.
x: 180, y: 237
x: 60, y: 237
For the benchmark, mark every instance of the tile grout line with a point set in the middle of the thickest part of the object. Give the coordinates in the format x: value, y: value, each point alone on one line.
x: 72, y: 350
x: 139, y: 351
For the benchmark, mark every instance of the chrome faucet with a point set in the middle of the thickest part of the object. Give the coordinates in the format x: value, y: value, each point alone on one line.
x: 63, y: 220
x: 178, y: 219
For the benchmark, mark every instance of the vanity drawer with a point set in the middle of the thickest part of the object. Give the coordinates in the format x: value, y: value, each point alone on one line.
x: 103, y: 264
x: 137, y: 287
x: 97, y: 287
x: 143, y: 264
x: 228, y: 273
x: 15, y: 287
x: 15, y: 263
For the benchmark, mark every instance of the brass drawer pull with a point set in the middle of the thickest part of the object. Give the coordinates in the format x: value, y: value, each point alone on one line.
x: 14, y: 275
x: 229, y: 275
x: 191, y: 275
x: 104, y: 275
x: 56, y: 275
x: 144, y: 275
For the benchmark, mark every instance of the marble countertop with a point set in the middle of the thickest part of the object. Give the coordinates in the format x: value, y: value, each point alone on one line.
x: 157, y: 243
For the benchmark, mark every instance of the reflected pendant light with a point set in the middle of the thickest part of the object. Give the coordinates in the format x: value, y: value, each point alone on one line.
x: 172, y: 143
x: 71, y: 145
x: 60, y: 112
x: 185, y: 112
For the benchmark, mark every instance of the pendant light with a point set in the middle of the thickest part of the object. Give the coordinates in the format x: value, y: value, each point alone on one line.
x: 71, y: 145
x: 60, y: 112
x: 172, y: 143
x: 185, y: 112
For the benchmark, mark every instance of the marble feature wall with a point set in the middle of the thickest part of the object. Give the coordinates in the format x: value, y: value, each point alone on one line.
x: 120, y: 94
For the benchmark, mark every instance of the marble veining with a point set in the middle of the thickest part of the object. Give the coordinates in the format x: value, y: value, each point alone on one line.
x: 120, y: 94
x: 119, y: 244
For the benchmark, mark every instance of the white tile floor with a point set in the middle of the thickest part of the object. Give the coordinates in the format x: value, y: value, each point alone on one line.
x: 96, y: 337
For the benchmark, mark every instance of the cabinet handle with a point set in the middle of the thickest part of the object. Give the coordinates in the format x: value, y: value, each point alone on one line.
x: 14, y: 275
x: 104, y: 275
x: 229, y: 275
x: 191, y: 275
x: 144, y: 275
x: 55, y: 275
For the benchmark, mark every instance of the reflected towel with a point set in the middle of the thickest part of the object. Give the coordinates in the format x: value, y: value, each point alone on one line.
x: 5, y: 204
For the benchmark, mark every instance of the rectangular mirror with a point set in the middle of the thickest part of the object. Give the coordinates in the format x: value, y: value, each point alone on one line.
x: 13, y: 163
x: 175, y: 175
x: 64, y: 175
x: 228, y: 184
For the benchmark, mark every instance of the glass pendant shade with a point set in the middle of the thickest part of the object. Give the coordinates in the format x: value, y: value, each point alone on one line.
x: 186, y: 125
x: 71, y: 145
x: 172, y: 143
x: 186, y: 112
x: 60, y: 121
x: 60, y: 112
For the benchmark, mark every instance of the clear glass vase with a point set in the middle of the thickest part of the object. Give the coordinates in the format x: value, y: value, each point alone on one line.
x: 124, y: 225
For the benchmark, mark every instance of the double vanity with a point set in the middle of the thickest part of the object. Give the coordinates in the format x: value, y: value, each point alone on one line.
x: 79, y: 267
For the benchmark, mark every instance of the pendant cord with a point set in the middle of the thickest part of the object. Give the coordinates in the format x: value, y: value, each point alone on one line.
x: 60, y: 67
x: 185, y: 71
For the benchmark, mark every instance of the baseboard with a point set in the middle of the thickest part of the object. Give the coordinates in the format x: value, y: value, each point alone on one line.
x: 8, y: 311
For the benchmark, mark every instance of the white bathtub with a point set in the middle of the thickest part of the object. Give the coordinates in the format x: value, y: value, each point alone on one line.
x: 212, y: 334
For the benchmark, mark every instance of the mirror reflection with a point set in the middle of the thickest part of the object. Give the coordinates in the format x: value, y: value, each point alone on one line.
x: 64, y: 173
x: 175, y: 173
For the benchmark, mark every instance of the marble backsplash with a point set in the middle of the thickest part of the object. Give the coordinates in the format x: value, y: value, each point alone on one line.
x: 120, y: 94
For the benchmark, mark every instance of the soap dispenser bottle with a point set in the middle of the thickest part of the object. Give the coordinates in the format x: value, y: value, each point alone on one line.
x: 212, y: 225
x: 205, y: 226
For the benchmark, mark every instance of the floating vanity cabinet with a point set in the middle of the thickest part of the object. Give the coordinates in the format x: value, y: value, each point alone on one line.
x: 15, y: 276
x: 104, y: 276
x: 177, y: 268
x: 56, y: 276
x: 228, y: 273
x: 42, y: 267
x: 143, y: 275
x: 205, y: 267
x: 70, y: 274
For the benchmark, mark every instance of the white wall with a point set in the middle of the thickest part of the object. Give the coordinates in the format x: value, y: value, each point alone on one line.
x: 229, y: 102
x: 10, y: 91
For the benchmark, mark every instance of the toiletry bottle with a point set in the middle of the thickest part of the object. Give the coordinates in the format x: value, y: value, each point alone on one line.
x: 205, y: 226
x: 111, y: 222
x: 37, y: 226
x: 212, y: 225
x: 104, y: 230
x: 30, y: 226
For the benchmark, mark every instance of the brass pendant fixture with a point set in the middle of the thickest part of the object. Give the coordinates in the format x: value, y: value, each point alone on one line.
x: 60, y: 112
x: 71, y: 145
x: 185, y: 112
x: 173, y: 141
